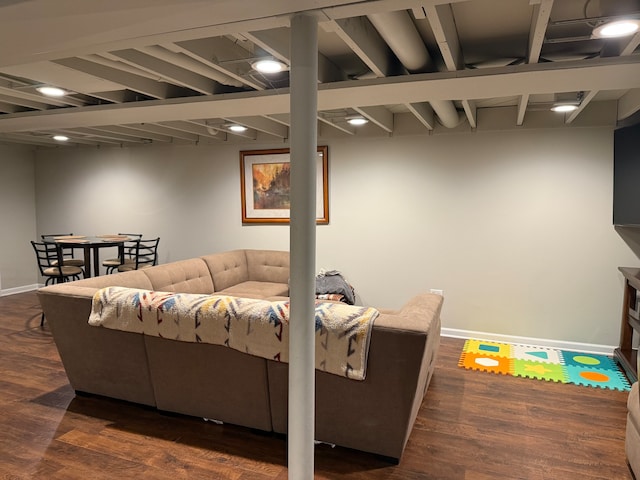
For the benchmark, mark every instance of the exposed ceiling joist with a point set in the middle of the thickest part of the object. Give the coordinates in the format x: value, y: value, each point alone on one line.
x: 366, y: 42
x: 424, y: 113
x: 224, y: 55
x: 629, y: 103
x: 138, y: 63
x: 589, y: 75
x: 381, y: 116
x: 539, y: 22
x: 444, y: 29
x: 129, y: 80
x: 586, y: 99
x: 262, y: 124
x: 167, y: 71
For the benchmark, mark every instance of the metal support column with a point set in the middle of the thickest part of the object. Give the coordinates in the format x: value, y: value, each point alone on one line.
x: 302, y: 237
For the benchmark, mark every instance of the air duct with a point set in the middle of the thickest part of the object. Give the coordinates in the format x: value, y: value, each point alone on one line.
x: 398, y: 30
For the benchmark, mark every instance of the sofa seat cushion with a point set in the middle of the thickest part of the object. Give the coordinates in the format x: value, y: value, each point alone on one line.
x: 253, y: 289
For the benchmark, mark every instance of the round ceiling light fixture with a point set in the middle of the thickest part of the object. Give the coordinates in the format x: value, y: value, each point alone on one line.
x: 357, y: 121
x: 564, y: 107
x: 268, y: 65
x: 60, y: 138
x: 237, y: 128
x: 618, y: 28
x: 51, y: 91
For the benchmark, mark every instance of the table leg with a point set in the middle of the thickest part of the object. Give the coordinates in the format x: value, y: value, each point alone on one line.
x: 60, y: 257
x: 87, y: 261
x: 96, y: 261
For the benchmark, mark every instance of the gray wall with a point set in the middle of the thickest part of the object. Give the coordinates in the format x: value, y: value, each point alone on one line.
x: 18, y: 268
x: 515, y: 227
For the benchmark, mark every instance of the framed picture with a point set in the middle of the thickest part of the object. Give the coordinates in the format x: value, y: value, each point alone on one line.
x: 265, y: 187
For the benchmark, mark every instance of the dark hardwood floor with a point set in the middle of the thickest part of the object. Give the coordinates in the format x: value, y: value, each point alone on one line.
x: 472, y: 426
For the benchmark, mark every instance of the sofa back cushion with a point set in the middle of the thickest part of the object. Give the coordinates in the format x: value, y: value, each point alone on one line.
x: 132, y: 279
x: 185, y: 276
x: 268, y: 266
x: 227, y: 269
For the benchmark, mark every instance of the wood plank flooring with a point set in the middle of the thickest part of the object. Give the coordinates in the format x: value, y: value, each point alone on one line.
x: 472, y: 426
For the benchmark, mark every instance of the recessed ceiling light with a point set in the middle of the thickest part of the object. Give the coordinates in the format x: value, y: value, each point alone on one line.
x: 60, y: 138
x: 52, y: 91
x: 268, y: 65
x: 619, y: 28
x: 237, y: 128
x: 357, y: 121
x: 564, y: 107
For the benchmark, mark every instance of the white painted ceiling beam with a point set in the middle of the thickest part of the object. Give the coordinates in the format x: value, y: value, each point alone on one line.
x: 167, y: 71
x: 194, y: 128
x: 343, y: 126
x: 133, y: 82
x: 109, y: 60
x: 30, y: 95
x: 354, y: 9
x: 381, y: 116
x: 190, y: 64
x: 630, y: 47
x: 539, y: 24
x: 282, y: 118
x: 67, y: 31
x: 365, y: 41
x: 537, y: 33
x: 235, y: 63
x: 442, y: 23
x: 445, y: 32
x: 424, y: 113
x: 136, y: 133
x: 471, y: 111
x: 200, y: 127
x: 583, y: 104
x: 587, y: 75
x: 8, y: 107
x: 522, y: 108
x: 117, y: 96
x: 29, y: 139
x: 262, y: 124
x: 276, y: 43
x: 103, y: 132
x: 22, y: 101
x: 166, y: 130
x: 76, y: 136
x: 629, y: 103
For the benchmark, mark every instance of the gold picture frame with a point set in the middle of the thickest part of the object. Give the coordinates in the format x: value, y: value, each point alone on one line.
x: 264, y: 186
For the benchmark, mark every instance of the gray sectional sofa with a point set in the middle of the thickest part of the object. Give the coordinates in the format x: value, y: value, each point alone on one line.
x: 211, y: 381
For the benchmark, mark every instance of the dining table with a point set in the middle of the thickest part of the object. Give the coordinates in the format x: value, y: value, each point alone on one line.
x: 89, y: 244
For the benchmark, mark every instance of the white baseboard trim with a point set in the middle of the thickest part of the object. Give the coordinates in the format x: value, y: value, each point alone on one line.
x: 25, y: 288
x: 538, y: 342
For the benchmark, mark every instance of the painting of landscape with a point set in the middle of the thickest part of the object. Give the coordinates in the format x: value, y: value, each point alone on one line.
x: 271, y: 185
x: 265, y: 186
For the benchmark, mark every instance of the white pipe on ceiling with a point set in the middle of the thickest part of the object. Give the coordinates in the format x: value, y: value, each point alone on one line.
x: 398, y: 30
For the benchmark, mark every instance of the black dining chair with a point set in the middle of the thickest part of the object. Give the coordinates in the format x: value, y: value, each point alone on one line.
x: 47, y: 255
x: 67, y: 253
x: 146, y: 255
x: 112, y: 264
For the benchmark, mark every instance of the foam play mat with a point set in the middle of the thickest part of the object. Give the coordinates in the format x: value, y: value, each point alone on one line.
x: 542, y: 363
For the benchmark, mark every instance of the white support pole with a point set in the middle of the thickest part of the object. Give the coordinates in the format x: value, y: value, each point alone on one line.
x: 302, y: 238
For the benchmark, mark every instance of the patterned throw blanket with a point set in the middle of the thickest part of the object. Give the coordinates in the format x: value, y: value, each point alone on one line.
x: 256, y: 327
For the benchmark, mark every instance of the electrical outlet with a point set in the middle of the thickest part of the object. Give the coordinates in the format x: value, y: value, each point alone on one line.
x: 437, y: 291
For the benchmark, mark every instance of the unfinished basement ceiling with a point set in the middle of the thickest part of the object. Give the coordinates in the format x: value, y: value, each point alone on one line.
x: 161, y: 71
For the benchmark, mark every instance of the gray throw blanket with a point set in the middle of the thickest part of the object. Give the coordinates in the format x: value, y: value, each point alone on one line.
x: 333, y: 282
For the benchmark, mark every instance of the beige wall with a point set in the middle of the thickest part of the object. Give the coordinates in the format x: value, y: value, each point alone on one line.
x: 515, y: 227
x: 18, y: 266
